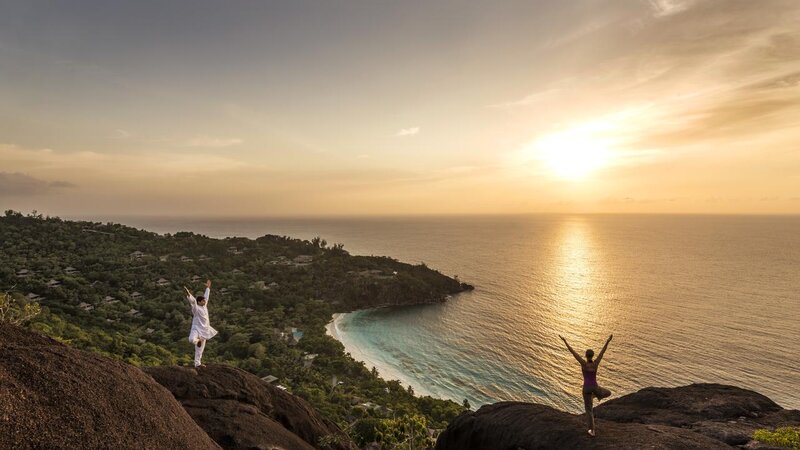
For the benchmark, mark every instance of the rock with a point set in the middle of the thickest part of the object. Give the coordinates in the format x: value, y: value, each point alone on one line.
x: 515, y: 425
x: 240, y: 411
x: 689, y: 417
x: 685, y: 405
x: 54, y: 396
x: 725, y: 413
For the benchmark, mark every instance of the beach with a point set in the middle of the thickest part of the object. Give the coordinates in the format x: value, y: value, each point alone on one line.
x: 336, y: 328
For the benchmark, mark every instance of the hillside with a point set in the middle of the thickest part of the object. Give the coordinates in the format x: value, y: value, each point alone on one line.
x: 116, y: 290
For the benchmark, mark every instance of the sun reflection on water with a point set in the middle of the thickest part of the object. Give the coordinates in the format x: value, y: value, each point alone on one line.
x: 576, y: 275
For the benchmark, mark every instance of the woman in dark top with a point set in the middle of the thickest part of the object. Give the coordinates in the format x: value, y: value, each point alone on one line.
x: 590, y: 387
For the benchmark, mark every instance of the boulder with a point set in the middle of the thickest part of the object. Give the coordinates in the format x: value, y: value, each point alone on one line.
x: 689, y: 417
x: 726, y: 413
x: 686, y: 405
x: 240, y: 411
x: 55, y: 396
x: 529, y: 426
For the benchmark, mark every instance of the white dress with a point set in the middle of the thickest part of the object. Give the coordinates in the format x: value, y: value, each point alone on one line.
x: 201, y: 326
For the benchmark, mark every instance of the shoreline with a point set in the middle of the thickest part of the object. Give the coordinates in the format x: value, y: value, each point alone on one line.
x: 385, y: 371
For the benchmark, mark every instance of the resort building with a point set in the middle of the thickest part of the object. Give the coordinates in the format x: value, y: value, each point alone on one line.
x: 308, y: 360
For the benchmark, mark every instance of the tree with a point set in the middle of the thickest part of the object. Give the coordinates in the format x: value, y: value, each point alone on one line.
x: 16, y: 313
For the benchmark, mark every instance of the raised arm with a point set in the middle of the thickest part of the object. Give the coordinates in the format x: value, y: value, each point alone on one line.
x: 207, y: 293
x: 189, y: 296
x: 574, y: 353
x: 191, y: 299
x: 600, y: 356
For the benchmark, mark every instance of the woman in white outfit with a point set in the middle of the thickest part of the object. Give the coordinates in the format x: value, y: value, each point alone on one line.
x: 201, y: 326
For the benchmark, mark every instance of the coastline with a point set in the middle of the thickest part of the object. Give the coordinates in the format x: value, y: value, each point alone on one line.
x: 354, y: 349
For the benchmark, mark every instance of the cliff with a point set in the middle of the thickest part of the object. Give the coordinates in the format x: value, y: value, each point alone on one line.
x: 698, y: 416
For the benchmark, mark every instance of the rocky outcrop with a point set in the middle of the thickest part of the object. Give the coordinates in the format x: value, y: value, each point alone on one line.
x: 240, y: 411
x: 726, y: 413
x: 699, y: 416
x: 514, y: 425
x: 54, y: 396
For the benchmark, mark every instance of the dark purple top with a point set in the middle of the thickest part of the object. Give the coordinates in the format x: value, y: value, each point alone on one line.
x: 589, y: 378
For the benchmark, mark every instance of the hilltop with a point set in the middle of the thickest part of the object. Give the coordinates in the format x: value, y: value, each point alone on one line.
x: 698, y: 416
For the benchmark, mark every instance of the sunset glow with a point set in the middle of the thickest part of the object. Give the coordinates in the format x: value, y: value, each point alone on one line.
x: 309, y: 108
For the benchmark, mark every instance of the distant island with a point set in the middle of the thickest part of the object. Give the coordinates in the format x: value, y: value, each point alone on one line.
x: 116, y: 290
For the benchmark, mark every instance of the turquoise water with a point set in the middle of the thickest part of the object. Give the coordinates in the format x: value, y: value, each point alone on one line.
x: 688, y: 298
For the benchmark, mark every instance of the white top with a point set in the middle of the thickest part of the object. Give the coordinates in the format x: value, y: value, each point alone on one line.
x: 201, y: 326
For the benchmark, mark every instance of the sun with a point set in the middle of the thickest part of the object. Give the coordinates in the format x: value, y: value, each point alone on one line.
x: 574, y: 154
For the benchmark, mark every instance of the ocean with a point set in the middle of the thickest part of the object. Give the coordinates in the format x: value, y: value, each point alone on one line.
x: 688, y: 298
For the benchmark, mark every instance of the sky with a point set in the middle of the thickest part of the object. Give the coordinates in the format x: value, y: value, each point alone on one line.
x: 316, y: 108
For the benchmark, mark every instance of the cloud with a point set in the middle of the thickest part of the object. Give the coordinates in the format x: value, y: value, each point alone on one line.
x: 736, y: 116
x: 62, y: 184
x: 404, y: 132
x: 663, y: 8
x: 119, y: 133
x: 211, y: 142
x: 536, y: 97
x: 17, y: 184
x: 787, y: 81
x: 116, y: 166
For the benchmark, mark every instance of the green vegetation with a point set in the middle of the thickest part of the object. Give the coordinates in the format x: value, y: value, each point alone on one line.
x: 116, y: 290
x: 406, y: 432
x: 17, y: 311
x: 785, y: 437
